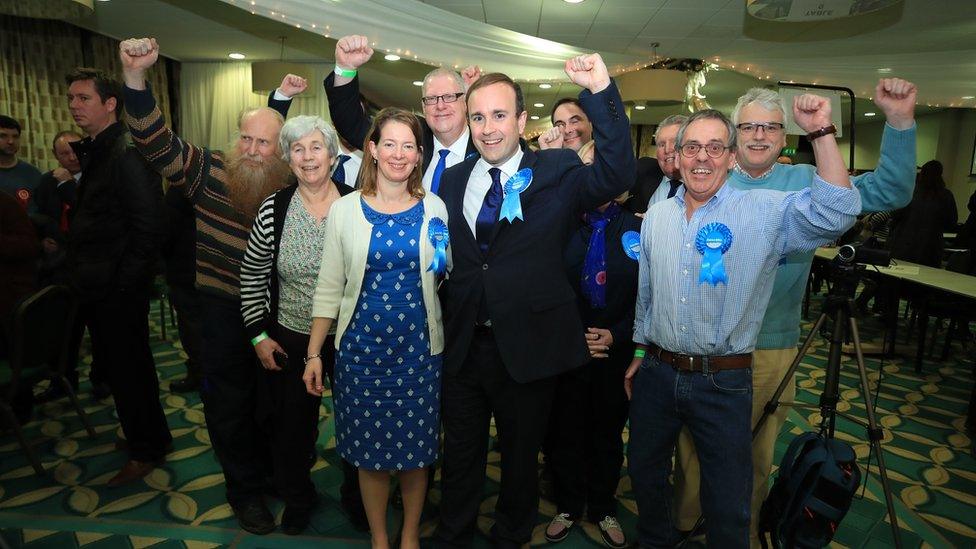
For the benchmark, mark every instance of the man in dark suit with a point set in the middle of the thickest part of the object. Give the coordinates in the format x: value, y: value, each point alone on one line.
x: 509, y: 311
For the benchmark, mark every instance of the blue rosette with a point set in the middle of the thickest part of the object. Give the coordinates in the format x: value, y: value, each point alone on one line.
x: 439, y: 239
x: 630, y: 240
x: 512, y: 204
x: 712, y: 241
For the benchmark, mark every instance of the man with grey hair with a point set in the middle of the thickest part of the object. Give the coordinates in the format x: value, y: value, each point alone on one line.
x: 446, y: 138
x: 759, y: 117
x: 226, y: 190
x: 702, y: 286
x: 664, y: 140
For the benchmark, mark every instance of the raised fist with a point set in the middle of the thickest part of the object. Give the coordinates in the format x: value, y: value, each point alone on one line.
x: 292, y: 85
x: 138, y: 54
x: 551, y: 139
x: 470, y: 74
x: 896, y: 98
x: 352, y: 51
x: 588, y: 71
x: 811, y: 112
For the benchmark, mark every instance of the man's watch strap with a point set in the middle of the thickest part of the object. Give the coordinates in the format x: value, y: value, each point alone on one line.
x: 826, y: 130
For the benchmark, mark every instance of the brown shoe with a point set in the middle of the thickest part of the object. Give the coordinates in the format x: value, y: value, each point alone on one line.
x: 132, y: 470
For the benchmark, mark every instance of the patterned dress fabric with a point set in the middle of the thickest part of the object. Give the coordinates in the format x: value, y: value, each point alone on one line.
x: 299, y: 257
x: 387, y: 394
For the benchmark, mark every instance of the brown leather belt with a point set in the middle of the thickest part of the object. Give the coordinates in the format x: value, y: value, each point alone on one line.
x: 689, y: 363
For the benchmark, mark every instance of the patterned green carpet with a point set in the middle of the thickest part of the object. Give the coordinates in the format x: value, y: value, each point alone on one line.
x: 181, y: 504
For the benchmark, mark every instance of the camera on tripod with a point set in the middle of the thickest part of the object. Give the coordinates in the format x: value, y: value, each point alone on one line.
x: 860, y: 254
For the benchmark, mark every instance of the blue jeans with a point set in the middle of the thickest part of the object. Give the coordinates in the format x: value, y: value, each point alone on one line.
x: 717, y: 408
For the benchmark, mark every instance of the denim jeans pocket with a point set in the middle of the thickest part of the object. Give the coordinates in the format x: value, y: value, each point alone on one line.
x: 732, y: 381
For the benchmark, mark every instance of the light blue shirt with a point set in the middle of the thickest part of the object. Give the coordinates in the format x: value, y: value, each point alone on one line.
x: 680, y: 314
x: 661, y: 194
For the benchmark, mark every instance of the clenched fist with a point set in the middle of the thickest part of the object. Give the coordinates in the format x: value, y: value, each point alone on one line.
x: 588, y: 71
x: 138, y: 54
x: 551, y: 139
x: 896, y: 98
x: 811, y: 112
x: 470, y: 74
x: 292, y: 85
x: 352, y: 51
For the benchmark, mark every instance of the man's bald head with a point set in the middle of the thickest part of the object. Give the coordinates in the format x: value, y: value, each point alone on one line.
x: 258, y: 129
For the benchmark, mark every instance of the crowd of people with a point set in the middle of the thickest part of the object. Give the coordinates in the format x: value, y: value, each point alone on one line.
x: 449, y: 276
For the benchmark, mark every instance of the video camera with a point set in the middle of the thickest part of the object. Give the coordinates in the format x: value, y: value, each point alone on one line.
x: 857, y: 253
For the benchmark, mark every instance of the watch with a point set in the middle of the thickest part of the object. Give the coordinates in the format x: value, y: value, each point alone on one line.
x: 826, y: 130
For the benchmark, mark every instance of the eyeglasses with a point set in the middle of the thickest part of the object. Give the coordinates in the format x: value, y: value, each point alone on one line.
x: 447, y: 98
x: 714, y: 150
x: 751, y: 127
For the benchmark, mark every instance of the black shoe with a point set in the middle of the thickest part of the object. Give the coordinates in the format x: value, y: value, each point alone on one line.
x: 357, y: 515
x: 295, y: 520
x: 253, y: 516
x: 100, y: 390
x: 185, y: 385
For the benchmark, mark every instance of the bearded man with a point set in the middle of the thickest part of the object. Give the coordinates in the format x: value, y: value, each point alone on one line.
x: 225, y: 190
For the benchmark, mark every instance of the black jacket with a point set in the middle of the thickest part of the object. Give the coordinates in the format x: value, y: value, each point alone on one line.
x: 621, y: 286
x: 50, y: 198
x: 649, y: 176
x: 118, y: 223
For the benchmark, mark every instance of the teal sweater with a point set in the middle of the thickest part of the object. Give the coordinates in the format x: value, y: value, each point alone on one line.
x: 889, y: 187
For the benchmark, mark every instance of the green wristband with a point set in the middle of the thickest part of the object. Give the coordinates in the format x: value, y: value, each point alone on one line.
x: 259, y: 338
x: 640, y: 353
x: 347, y: 73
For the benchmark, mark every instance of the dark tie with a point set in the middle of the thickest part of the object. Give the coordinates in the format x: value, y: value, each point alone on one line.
x: 675, y: 183
x: 435, y: 183
x: 339, y: 175
x: 488, y: 215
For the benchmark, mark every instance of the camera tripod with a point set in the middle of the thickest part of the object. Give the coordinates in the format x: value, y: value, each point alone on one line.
x: 840, y: 305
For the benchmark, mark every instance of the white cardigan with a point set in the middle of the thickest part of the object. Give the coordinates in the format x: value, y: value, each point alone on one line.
x: 347, y: 237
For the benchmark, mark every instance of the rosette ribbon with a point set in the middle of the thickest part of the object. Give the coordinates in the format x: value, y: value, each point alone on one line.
x: 630, y: 240
x: 512, y: 204
x: 712, y: 241
x: 439, y: 239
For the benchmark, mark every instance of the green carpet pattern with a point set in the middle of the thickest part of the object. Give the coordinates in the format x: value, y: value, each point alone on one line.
x: 182, y: 504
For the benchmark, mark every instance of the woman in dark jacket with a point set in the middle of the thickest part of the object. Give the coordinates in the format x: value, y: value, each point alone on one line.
x: 590, y: 407
x: 916, y: 233
x: 278, y: 276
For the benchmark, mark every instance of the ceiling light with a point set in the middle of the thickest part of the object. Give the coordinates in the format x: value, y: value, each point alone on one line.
x: 418, y: 82
x: 573, y: 1
x: 884, y: 69
x: 391, y: 57
x: 640, y: 107
x: 969, y: 97
x: 870, y: 114
x: 545, y: 86
x: 235, y: 55
x: 539, y: 105
x: 534, y: 117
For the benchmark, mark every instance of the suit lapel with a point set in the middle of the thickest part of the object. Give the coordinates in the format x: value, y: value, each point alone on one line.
x: 455, y: 206
x: 428, y: 148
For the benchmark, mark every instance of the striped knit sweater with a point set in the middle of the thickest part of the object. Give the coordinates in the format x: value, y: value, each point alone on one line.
x: 221, y: 229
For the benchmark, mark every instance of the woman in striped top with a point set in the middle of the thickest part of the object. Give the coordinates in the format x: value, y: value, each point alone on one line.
x: 278, y: 277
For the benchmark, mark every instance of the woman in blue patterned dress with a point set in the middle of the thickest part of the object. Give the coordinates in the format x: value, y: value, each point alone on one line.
x: 387, y: 250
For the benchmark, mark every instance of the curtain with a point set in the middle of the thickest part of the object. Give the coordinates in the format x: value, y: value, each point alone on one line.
x: 213, y: 95
x: 35, y: 56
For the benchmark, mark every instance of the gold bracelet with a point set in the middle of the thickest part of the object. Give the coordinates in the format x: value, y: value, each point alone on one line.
x: 310, y: 357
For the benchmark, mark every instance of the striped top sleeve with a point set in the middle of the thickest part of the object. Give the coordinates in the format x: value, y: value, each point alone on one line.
x: 256, y: 270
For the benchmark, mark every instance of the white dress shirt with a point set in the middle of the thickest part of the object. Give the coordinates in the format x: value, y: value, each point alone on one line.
x: 351, y: 167
x: 479, y: 182
x: 661, y: 193
x: 456, y: 156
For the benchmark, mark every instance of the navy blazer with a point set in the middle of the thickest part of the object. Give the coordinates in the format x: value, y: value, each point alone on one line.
x: 530, y: 301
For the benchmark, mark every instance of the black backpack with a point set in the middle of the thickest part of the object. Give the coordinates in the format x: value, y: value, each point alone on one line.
x: 813, y: 490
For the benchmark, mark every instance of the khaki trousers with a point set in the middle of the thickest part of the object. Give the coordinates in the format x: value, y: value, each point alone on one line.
x: 768, y: 368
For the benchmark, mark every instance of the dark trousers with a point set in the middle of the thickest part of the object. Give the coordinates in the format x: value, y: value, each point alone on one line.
x: 589, y: 413
x: 290, y: 416
x: 482, y: 388
x: 119, y: 326
x: 228, y: 390
x: 95, y: 374
x: 186, y: 302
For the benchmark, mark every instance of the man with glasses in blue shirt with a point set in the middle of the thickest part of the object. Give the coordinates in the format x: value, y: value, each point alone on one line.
x: 759, y: 117
x: 705, y: 276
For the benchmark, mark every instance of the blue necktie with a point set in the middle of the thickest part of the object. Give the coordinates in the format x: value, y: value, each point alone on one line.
x: 435, y: 183
x: 488, y: 215
x: 339, y: 175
